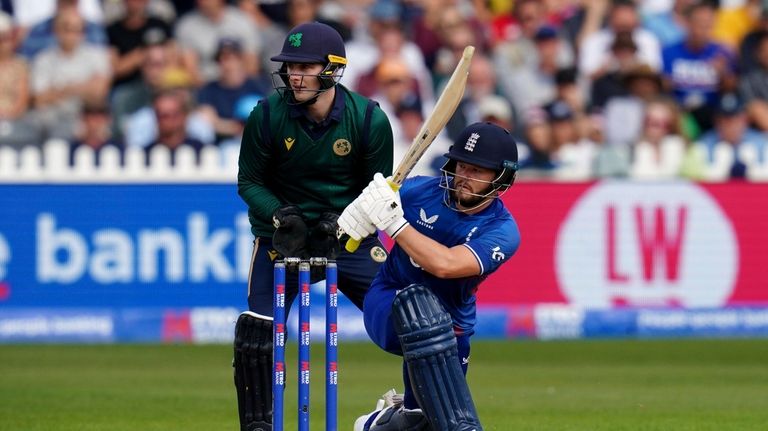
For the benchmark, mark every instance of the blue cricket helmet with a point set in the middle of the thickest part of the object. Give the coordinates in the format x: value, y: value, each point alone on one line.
x: 488, y: 146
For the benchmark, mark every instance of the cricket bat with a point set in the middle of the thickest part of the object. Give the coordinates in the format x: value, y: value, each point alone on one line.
x: 441, y: 113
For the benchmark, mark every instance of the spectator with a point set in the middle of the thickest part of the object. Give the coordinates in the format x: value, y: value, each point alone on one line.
x: 622, y: 18
x: 669, y: 26
x: 395, y: 86
x: 754, y: 86
x: 95, y: 132
x: 384, y: 38
x: 16, y: 128
x: 726, y: 142
x: 660, y: 151
x: 481, y: 82
x: 540, y: 162
x: 698, y: 68
x: 572, y: 153
x: 608, y: 81
x: 129, y: 37
x: 409, y: 119
x: 748, y: 47
x: 624, y: 113
x: 227, y: 102
x: 171, y: 109
x: 199, y: 31
x: 42, y: 35
x: 67, y: 75
x: 530, y: 87
x: 517, y: 47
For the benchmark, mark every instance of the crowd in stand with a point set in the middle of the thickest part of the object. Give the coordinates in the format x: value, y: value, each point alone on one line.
x: 655, y: 89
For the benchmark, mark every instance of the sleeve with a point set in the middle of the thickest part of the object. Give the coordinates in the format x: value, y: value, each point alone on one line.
x: 253, y: 165
x: 494, y: 245
x: 378, y: 157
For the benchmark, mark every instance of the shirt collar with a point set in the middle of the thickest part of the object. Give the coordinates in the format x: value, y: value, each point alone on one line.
x: 337, y: 110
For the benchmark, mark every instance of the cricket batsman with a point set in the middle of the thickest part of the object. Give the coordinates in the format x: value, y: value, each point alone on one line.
x: 450, y: 233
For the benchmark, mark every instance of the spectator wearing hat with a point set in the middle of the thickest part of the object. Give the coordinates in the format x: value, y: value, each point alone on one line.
x: 226, y: 102
x: 572, y: 152
x: 94, y: 131
x: 608, y: 81
x: 698, y: 68
x: 753, y: 86
x: 540, y: 161
x: 128, y: 38
x: 42, y: 35
x: 198, y: 33
x: 727, y: 150
x: 67, y: 75
x: 394, y: 85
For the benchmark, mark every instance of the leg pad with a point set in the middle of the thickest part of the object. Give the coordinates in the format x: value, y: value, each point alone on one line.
x: 253, y: 371
x: 430, y: 351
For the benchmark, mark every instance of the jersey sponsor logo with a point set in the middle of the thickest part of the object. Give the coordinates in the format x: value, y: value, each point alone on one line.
x: 378, y: 254
x: 425, y: 221
x: 272, y: 254
x: 342, y: 147
x: 289, y: 143
x: 471, y: 142
x: 497, y: 255
x: 295, y: 39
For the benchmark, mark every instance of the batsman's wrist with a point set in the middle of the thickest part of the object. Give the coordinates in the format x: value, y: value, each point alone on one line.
x: 396, y: 227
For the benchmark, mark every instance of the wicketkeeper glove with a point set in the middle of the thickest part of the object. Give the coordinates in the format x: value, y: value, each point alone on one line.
x: 323, y: 240
x: 381, y: 204
x: 290, y: 235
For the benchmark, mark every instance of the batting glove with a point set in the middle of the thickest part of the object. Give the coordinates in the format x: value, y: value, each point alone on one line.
x: 354, y: 222
x: 382, y: 206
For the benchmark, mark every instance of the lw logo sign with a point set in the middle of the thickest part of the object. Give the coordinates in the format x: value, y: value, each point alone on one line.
x: 647, y: 245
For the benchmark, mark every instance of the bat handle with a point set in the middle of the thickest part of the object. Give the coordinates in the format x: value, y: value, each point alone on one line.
x: 352, y: 244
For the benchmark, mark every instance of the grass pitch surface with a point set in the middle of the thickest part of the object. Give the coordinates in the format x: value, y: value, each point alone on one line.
x: 584, y: 385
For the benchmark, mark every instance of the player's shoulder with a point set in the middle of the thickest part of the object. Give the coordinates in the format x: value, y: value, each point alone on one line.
x: 420, y: 183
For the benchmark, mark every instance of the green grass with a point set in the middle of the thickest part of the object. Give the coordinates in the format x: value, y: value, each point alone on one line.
x: 587, y: 385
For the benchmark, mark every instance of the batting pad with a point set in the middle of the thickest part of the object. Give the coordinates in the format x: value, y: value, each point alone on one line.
x: 430, y: 351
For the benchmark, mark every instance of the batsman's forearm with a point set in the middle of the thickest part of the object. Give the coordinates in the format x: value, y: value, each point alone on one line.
x: 435, y: 258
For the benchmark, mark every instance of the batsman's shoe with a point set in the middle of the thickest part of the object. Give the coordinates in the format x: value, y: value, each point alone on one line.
x: 390, y: 415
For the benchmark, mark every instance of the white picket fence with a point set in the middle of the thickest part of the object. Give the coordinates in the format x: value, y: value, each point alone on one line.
x: 50, y: 164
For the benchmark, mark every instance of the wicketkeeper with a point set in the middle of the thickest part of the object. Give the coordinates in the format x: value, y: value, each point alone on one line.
x: 307, y: 151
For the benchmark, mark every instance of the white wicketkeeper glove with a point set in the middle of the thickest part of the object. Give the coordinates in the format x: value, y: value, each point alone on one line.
x: 382, y: 206
x: 354, y: 222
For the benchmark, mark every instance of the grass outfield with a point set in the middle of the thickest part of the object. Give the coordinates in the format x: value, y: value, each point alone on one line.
x: 586, y: 385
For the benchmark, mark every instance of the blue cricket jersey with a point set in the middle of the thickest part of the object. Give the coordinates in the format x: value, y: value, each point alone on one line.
x: 491, y: 235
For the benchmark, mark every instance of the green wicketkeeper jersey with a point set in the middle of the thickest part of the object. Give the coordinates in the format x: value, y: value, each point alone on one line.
x: 285, y: 165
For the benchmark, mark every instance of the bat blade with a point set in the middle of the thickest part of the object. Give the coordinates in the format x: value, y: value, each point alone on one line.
x: 442, y: 112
